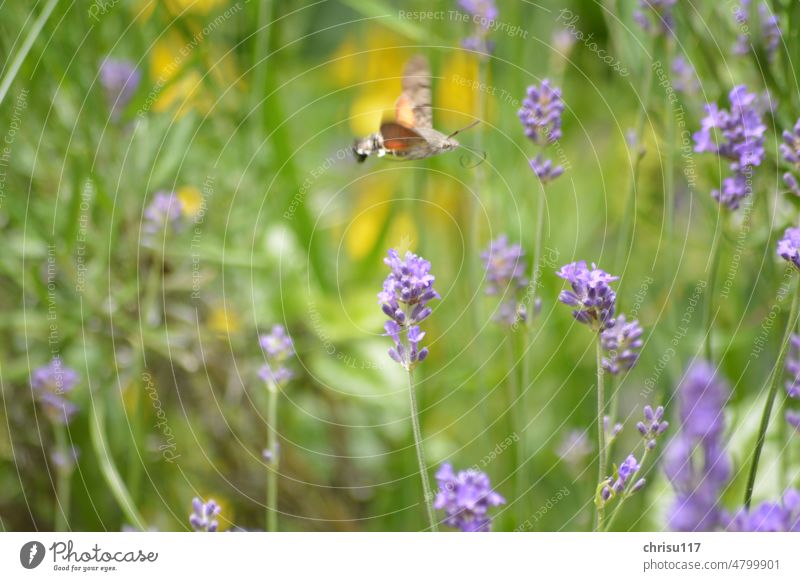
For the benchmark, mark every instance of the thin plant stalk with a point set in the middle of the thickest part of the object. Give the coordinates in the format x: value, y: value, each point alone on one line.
x: 669, y: 169
x: 423, y: 469
x: 514, y: 401
x: 63, y: 481
x: 150, y: 308
x: 107, y: 467
x: 775, y: 381
x: 712, y: 278
x: 25, y: 48
x: 601, y: 430
x: 630, y: 200
x: 273, y: 461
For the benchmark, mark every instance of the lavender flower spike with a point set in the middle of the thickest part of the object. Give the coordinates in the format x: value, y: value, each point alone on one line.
x: 545, y: 170
x: 466, y: 498
x: 277, y: 347
x: 696, y: 462
x: 591, y: 295
x: 483, y: 13
x: 406, y: 293
x: 790, y: 151
x: 653, y: 425
x: 203, y: 518
x: 622, y: 342
x: 505, y: 276
x: 685, y: 78
x: 541, y: 112
x: 51, y: 384
x: 660, y: 11
x: 738, y: 136
x: 783, y: 516
x: 163, y: 212
x: 119, y: 79
x: 789, y: 246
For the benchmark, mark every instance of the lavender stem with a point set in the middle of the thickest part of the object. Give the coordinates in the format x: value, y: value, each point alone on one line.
x: 709, y: 304
x: 63, y: 476
x: 601, y: 431
x: 423, y: 470
x: 272, y: 446
x: 777, y: 374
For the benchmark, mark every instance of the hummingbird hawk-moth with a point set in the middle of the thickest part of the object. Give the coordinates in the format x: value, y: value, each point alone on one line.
x: 411, y: 135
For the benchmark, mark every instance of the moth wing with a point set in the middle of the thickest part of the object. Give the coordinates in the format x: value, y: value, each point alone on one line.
x: 413, y: 107
x: 397, y: 137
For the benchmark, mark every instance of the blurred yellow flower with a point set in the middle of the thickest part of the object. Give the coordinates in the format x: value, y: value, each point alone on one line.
x: 344, y: 62
x: 224, y: 321
x: 456, y: 93
x: 369, y: 217
x: 176, y: 87
x: 380, y: 69
x: 166, y: 58
x: 178, y: 7
x: 191, y: 200
x: 402, y: 233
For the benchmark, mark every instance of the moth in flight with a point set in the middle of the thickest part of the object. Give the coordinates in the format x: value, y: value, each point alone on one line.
x: 411, y: 135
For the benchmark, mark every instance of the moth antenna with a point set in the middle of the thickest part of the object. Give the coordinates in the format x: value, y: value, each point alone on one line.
x: 470, y: 126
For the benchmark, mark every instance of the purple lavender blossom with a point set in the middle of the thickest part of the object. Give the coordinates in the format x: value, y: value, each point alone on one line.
x: 653, y: 425
x: 792, y: 367
x: 483, y: 13
x: 65, y: 460
x: 684, y: 76
x: 575, y: 449
x: 736, y: 135
x: 696, y: 462
x: 793, y: 419
x: 484, y: 10
x: 466, y: 498
x: 616, y: 484
x: 612, y: 431
x: 541, y: 112
x: 404, y: 299
x: 741, y: 130
x: 783, y: 516
x: 626, y: 470
x: 277, y: 347
x: 164, y: 211
x: 789, y: 246
x: 545, y: 170
x: 119, y: 79
x: 591, y: 295
x: 622, y: 343
x: 505, y: 276
x: 203, y: 518
x: 770, y: 28
x: 655, y: 16
x: 790, y: 150
x: 51, y: 384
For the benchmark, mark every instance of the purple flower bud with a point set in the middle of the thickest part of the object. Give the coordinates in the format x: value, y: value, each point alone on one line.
x: 203, y: 517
